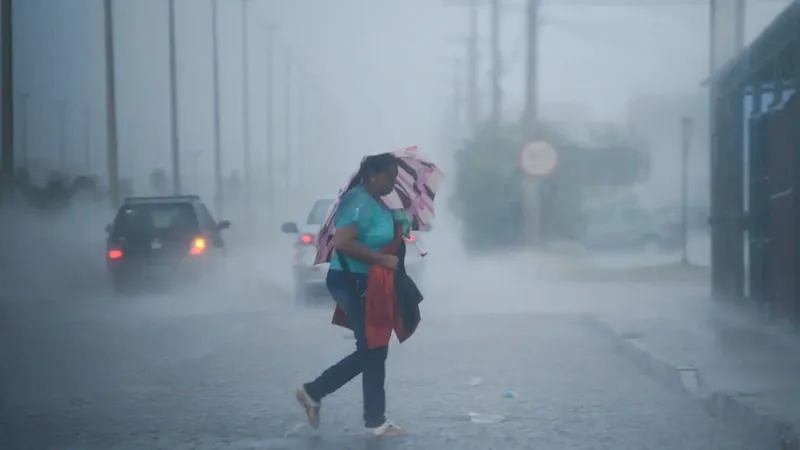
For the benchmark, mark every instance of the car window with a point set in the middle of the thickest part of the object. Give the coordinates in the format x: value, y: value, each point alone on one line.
x: 155, y: 218
x: 319, y: 211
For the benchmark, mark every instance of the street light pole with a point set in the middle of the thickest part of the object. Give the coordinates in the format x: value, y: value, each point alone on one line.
x: 532, y: 185
x: 219, y: 200
x: 87, y: 139
x: 7, y: 92
x: 686, y: 131
x: 62, y: 138
x: 248, y: 182
x: 25, y: 151
x: 173, y: 97
x: 496, y: 65
x: 270, y: 81
x: 532, y: 72
x: 474, y: 63
x: 288, y: 130
x: 111, y: 105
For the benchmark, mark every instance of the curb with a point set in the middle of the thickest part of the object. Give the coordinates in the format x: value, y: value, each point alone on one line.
x: 724, y: 405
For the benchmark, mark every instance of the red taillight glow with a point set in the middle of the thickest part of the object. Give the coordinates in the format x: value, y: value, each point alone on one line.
x: 115, y: 254
x: 411, y: 238
x: 306, y: 239
x: 198, y: 246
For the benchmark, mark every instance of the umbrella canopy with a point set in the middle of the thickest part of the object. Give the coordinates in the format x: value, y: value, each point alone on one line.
x: 414, y: 192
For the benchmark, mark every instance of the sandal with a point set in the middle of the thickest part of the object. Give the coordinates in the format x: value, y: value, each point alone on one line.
x: 311, y: 407
x: 388, y: 429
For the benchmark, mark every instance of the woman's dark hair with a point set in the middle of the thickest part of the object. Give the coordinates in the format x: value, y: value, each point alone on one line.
x: 371, y: 165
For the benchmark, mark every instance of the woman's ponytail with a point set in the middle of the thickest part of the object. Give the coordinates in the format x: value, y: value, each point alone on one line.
x: 358, y: 178
x: 371, y: 164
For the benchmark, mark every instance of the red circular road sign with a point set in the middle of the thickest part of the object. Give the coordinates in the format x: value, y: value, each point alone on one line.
x: 538, y: 158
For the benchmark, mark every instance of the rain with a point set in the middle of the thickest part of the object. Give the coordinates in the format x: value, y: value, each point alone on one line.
x: 569, y: 291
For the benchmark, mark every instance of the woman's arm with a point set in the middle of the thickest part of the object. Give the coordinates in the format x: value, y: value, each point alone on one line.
x: 355, y: 211
x: 345, y: 241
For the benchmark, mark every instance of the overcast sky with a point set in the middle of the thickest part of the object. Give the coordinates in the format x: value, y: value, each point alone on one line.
x: 378, y: 74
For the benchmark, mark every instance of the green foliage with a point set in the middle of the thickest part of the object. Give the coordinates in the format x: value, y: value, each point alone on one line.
x: 58, y: 192
x: 488, y: 197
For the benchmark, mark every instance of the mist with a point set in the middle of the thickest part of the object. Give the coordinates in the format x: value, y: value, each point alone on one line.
x: 353, y: 78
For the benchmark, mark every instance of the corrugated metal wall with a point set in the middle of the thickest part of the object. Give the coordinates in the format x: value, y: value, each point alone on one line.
x: 773, y: 171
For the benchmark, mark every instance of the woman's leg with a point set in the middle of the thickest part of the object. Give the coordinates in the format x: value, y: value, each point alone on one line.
x: 373, y: 378
x: 346, y: 290
x: 370, y: 363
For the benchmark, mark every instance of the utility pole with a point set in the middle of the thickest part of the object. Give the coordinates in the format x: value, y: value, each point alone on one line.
x: 532, y: 73
x: 248, y: 181
x: 301, y: 96
x: 686, y: 131
x: 497, y: 62
x: 194, y: 156
x: 87, y: 138
x: 25, y: 150
x: 288, y: 132
x: 62, y: 137
x: 726, y: 39
x: 111, y: 105
x: 7, y: 92
x: 219, y: 194
x: 458, y: 101
x: 270, y: 90
x: 531, y: 184
x: 173, y: 98
x: 473, y: 62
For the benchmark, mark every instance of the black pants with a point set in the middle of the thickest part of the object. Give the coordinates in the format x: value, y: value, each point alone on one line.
x: 348, y: 290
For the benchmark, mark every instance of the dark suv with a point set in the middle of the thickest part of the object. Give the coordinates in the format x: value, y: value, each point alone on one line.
x: 160, y: 238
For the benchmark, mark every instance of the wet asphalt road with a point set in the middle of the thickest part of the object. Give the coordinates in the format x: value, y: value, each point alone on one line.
x: 215, y: 369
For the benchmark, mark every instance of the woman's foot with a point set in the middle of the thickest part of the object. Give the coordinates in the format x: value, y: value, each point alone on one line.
x: 308, y: 403
x: 388, y: 429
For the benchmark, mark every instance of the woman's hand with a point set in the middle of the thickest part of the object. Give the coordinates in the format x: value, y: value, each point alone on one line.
x: 389, y: 261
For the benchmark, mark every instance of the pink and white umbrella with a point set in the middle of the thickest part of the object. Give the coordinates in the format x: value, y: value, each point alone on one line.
x: 414, y: 192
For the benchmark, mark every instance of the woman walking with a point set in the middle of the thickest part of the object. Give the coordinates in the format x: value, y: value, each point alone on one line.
x: 367, y: 245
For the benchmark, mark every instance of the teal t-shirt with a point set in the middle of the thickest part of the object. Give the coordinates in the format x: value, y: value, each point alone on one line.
x: 375, y: 225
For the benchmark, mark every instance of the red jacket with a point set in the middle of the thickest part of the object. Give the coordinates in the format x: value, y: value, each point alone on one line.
x: 382, y: 314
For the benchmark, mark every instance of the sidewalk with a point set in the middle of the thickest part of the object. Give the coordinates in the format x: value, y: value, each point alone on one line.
x: 741, y: 368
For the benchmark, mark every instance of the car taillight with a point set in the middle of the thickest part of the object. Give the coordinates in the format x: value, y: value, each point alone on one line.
x: 306, y: 239
x: 198, y: 246
x: 115, y: 254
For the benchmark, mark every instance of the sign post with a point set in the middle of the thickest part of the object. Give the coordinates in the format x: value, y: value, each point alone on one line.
x: 538, y: 159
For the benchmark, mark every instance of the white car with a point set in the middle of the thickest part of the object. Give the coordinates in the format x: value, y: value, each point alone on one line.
x: 309, y: 279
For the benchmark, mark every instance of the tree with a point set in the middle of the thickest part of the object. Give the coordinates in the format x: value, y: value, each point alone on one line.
x: 488, y: 195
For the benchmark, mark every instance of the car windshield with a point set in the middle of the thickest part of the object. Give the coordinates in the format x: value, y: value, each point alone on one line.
x: 149, y: 218
x: 318, y: 212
